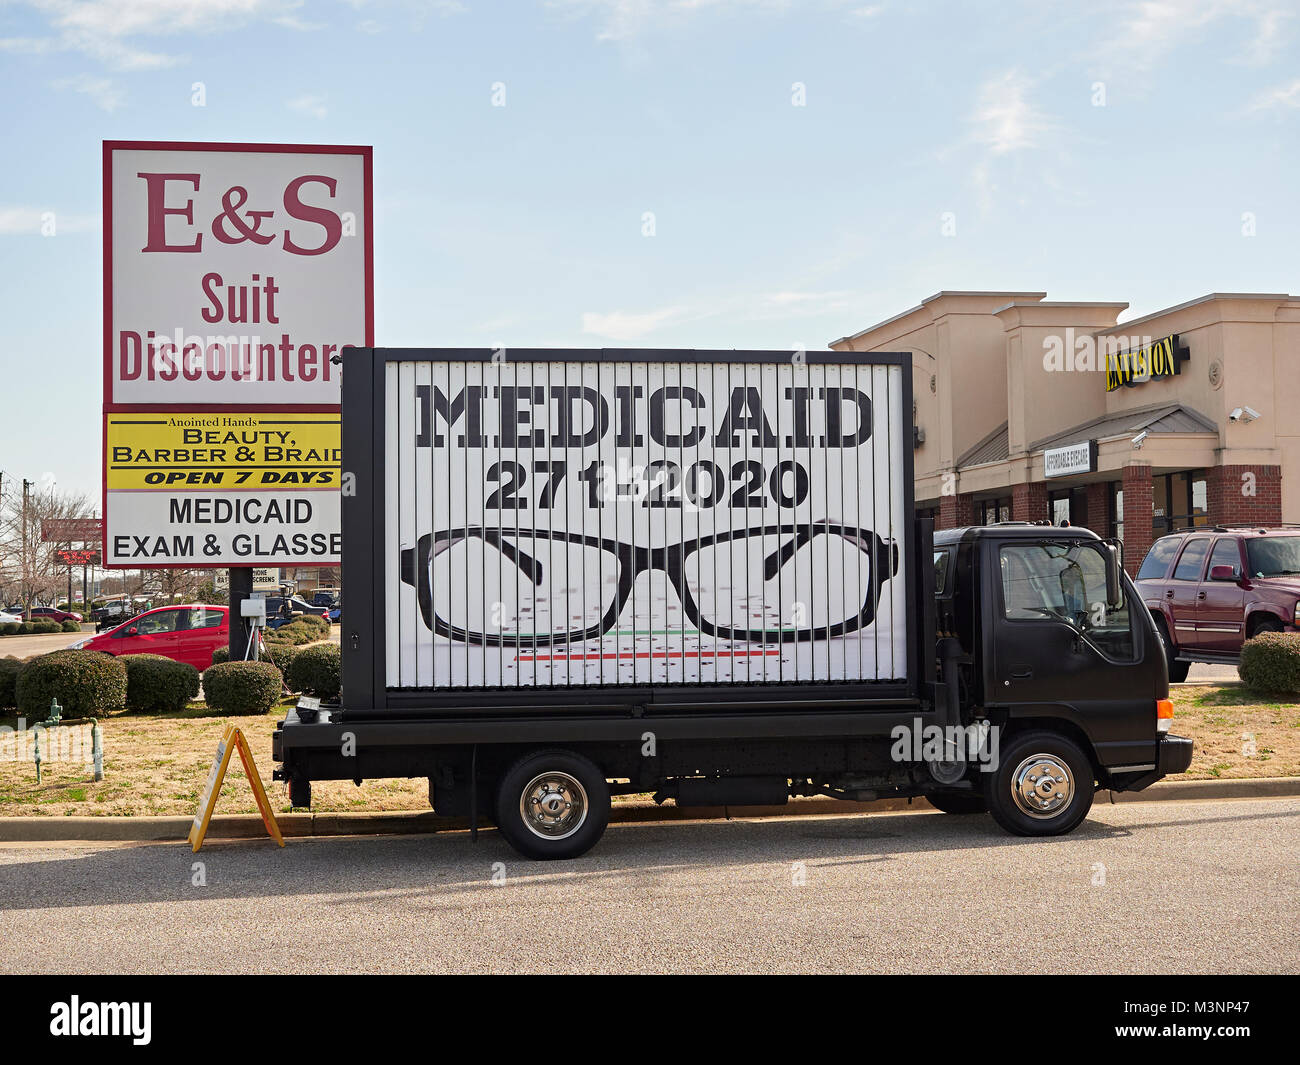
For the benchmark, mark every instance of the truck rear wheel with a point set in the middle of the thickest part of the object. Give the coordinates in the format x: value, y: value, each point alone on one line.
x: 957, y: 802
x: 552, y: 805
x: 1043, y: 785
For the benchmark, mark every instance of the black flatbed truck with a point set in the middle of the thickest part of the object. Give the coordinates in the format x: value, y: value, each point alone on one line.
x: 1036, y: 677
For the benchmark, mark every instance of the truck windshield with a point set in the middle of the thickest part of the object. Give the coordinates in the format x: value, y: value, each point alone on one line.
x: 1274, y: 556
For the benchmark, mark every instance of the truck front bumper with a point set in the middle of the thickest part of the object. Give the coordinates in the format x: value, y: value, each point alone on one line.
x: 1173, y: 755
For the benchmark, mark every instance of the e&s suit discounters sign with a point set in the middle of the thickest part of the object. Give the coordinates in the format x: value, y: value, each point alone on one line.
x: 234, y: 275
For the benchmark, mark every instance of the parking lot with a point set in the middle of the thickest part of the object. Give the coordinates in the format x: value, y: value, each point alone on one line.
x: 1201, y: 887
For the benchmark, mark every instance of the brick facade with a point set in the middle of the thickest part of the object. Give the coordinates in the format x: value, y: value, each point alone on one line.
x: 956, y: 511
x: 1098, y: 503
x: 1029, y: 502
x: 1139, y: 502
x: 1244, y: 495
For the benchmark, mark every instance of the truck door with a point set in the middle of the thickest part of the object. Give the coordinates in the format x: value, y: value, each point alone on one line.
x: 1183, y: 591
x: 1221, y: 605
x: 1059, y: 650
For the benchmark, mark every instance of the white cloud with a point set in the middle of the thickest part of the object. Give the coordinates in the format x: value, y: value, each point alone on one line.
x: 622, y: 325
x: 801, y: 304
x: 624, y: 20
x: 104, y: 30
x: 28, y: 221
x: 1005, y: 120
x: 1150, y: 29
x: 106, y: 93
x: 310, y: 105
x: 1282, y: 98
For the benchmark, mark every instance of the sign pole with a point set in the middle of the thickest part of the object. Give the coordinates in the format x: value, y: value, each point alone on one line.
x: 241, y: 588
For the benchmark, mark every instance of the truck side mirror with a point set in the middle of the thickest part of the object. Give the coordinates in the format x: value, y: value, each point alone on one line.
x: 1114, y: 593
x: 1223, y: 573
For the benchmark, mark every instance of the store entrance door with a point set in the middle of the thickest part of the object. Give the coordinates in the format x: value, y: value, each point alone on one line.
x: 1069, y: 505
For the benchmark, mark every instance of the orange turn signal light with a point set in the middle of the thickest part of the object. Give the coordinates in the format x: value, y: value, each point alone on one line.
x: 1164, y: 709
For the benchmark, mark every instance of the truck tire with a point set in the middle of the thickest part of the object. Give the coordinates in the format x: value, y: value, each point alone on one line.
x: 552, y: 804
x: 1043, y: 785
x: 1261, y: 625
x: 1177, y: 670
x: 958, y: 802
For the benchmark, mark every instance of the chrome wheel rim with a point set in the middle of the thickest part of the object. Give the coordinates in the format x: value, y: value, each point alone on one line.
x: 553, y: 805
x: 1042, y: 786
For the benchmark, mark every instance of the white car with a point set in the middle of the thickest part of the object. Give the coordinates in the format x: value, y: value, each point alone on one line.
x: 5, y: 617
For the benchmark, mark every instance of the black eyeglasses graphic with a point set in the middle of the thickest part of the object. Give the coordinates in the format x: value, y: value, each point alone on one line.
x: 700, y: 569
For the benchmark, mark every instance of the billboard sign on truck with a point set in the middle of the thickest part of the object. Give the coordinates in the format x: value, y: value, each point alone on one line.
x: 654, y: 518
x: 234, y: 275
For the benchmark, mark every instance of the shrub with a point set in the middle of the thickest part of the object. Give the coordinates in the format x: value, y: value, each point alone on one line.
x: 221, y: 654
x: 70, y: 626
x: 158, y: 684
x: 10, y: 628
x: 316, y: 670
x: 242, y: 687
x: 86, y: 683
x: 296, y: 632
x: 1271, y: 662
x: 46, y: 627
x: 9, y: 669
x: 282, y: 656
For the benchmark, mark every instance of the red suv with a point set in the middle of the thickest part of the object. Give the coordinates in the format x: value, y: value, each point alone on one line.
x: 185, y: 633
x: 1210, y: 590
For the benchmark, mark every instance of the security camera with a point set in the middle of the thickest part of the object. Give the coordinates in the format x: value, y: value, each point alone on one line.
x: 1245, y: 415
x: 1140, y: 439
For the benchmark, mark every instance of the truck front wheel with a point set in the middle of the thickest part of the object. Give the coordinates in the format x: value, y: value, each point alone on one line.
x: 553, y: 805
x: 1043, y: 785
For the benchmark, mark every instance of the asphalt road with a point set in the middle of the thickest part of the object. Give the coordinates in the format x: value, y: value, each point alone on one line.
x: 1208, y: 887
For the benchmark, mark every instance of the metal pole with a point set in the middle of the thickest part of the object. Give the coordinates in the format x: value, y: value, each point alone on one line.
x: 241, y: 588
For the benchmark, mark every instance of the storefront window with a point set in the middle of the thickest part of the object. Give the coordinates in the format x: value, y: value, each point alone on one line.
x: 1179, y: 501
x: 1117, y: 510
x: 993, y: 510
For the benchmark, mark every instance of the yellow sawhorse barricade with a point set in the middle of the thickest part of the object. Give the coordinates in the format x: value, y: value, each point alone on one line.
x: 231, y: 739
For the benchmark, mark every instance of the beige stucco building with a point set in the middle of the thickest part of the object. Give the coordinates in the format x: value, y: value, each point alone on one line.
x: 1018, y: 418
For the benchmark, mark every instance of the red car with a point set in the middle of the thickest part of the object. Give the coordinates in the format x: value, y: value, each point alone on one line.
x: 185, y: 633
x: 1210, y: 590
x: 49, y: 613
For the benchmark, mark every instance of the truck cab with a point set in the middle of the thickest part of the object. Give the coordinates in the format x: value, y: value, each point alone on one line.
x: 1051, y: 635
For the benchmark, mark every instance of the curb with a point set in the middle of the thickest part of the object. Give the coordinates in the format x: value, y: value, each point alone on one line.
x: 245, y: 826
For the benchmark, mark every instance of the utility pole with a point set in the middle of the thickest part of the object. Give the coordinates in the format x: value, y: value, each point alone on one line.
x: 27, y: 599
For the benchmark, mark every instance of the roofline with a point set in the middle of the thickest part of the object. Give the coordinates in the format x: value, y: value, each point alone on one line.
x: 930, y: 299
x: 1209, y: 297
x: 1004, y: 427
x: 1168, y: 408
x: 1058, y: 303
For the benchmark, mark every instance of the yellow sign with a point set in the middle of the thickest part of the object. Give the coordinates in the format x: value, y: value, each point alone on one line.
x: 231, y: 739
x: 221, y: 452
x: 1162, y: 358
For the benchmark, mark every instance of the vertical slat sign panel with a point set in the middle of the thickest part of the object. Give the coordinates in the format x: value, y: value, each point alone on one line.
x: 651, y: 521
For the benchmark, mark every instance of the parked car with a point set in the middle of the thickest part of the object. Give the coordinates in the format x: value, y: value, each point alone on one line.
x: 111, y: 615
x: 186, y: 633
x: 52, y: 613
x: 6, y: 617
x: 1210, y: 590
x: 276, y: 616
x: 324, y: 597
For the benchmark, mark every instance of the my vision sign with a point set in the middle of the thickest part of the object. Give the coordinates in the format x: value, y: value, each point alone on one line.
x: 1160, y: 358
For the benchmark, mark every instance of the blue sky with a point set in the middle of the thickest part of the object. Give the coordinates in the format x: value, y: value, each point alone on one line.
x: 774, y: 225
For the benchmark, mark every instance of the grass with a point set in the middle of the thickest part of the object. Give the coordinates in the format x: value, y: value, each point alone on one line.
x: 156, y: 764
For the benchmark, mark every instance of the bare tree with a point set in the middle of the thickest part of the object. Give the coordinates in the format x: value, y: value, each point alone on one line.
x: 32, y: 568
